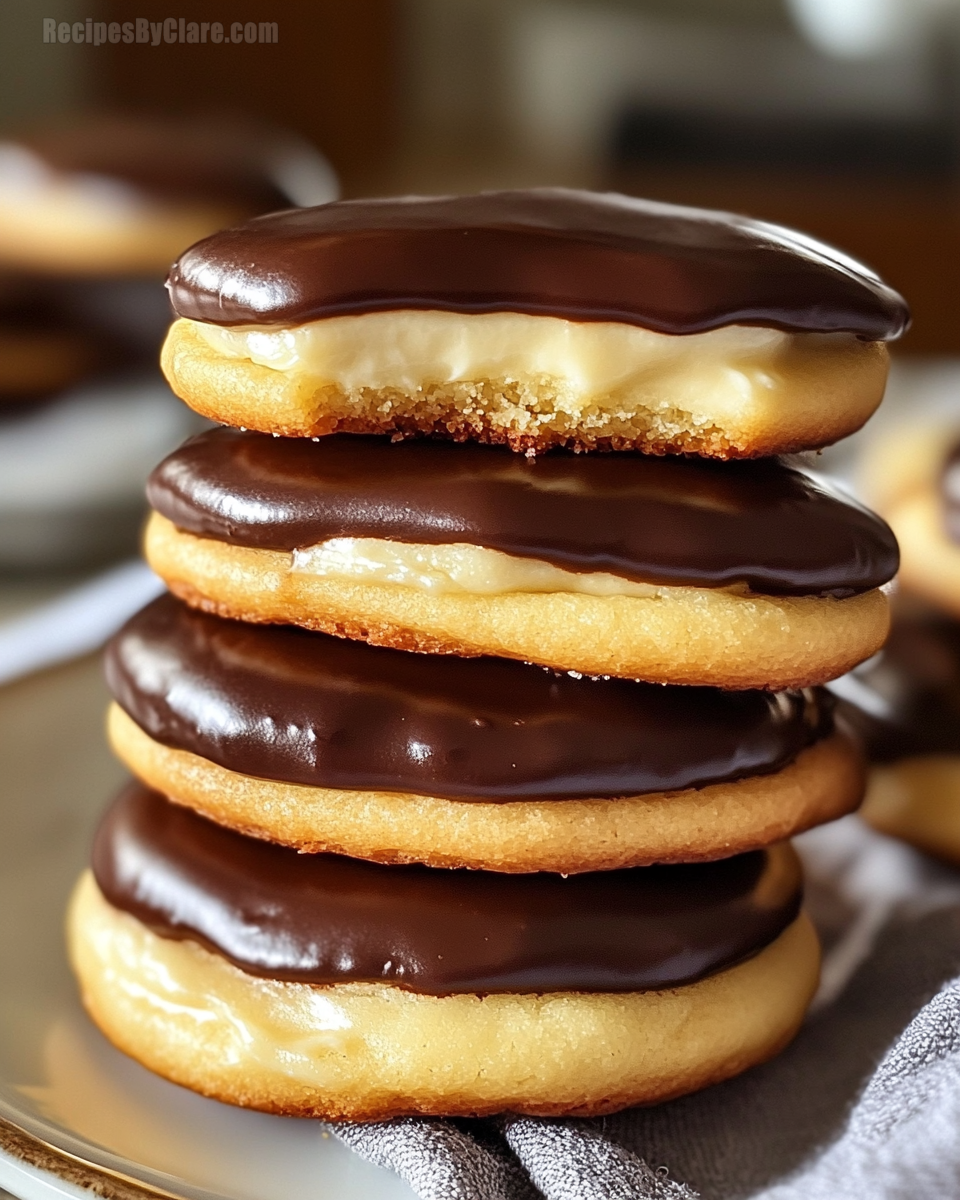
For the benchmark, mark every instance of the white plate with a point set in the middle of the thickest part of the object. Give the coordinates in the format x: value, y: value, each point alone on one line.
x: 74, y: 1112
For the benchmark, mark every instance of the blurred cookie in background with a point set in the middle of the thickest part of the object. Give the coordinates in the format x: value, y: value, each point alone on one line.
x: 905, y: 701
x: 911, y: 475
x: 81, y: 420
x: 100, y: 206
x: 904, y: 704
x: 126, y: 194
x: 92, y: 212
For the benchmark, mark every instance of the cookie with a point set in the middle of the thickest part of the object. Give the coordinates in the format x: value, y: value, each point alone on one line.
x: 367, y: 992
x: 330, y: 745
x: 905, y: 707
x: 124, y: 195
x: 738, y: 575
x: 535, y: 319
x: 925, y: 514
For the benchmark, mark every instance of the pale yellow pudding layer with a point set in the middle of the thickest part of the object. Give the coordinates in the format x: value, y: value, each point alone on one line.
x: 456, y: 567
x: 679, y: 635
x: 369, y: 1051
x: 929, y: 559
x: 532, y: 381
x: 918, y: 799
x: 66, y: 228
x: 567, y: 836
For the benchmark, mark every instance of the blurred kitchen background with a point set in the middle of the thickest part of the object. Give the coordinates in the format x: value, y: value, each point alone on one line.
x: 840, y: 117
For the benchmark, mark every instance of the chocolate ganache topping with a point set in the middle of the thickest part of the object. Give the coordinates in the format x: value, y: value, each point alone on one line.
x: 580, y: 255
x: 655, y: 520
x: 905, y: 701
x: 281, y: 703
x: 322, y: 918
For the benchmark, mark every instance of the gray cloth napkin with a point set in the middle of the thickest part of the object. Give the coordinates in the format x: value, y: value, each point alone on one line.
x: 865, y: 1102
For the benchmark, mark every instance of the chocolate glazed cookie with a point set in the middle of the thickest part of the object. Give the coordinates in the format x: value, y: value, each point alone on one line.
x: 329, y: 961
x: 675, y: 571
x: 324, y: 744
x: 905, y: 707
x: 923, y: 505
x: 534, y: 318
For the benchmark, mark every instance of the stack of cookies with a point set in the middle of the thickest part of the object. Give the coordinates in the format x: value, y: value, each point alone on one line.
x: 905, y: 704
x: 466, y: 753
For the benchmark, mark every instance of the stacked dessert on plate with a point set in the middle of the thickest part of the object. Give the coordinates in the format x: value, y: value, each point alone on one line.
x: 470, y: 736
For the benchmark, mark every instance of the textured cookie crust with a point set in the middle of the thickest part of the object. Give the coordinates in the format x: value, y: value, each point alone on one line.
x: 918, y: 800
x: 681, y: 635
x: 371, y: 1051
x: 929, y: 560
x: 566, y: 836
x: 530, y: 413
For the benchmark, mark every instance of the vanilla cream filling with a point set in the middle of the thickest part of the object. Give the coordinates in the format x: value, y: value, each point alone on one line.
x: 723, y: 373
x: 458, y: 567
x: 261, y: 1023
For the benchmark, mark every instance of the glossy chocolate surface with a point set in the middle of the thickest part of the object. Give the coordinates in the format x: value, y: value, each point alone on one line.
x: 656, y: 520
x: 282, y: 703
x: 905, y: 701
x: 321, y: 918
x: 194, y: 160
x: 584, y: 256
